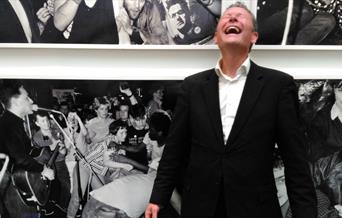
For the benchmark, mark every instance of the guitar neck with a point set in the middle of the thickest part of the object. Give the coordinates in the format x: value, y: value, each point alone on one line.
x: 53, y: 156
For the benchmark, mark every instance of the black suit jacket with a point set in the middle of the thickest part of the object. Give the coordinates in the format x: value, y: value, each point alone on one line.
x: 267, y: 114
x: 11, y: 30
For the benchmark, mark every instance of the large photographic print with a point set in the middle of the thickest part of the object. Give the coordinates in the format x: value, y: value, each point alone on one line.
x: 102, y: 177
x: 153, y: 22
x: 164, y: 22
x: 112, y: 134
x: 320, y: 113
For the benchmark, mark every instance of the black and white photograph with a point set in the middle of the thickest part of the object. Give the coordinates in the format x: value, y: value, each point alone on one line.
x: 164, y: 22
x: 110, y: 138
x: 320, y: 104
x: 103, y: 132
x: 296, y: 22
x: 148, y: 22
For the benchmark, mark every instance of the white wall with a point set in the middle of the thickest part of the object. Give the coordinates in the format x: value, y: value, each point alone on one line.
x: 155, y: 62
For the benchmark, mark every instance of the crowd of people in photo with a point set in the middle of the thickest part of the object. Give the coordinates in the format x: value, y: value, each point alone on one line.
x: 110, y: 147
x: 100, y: 143
x: 162, y: 21
x: 109, y: 21
x: 320, y: 109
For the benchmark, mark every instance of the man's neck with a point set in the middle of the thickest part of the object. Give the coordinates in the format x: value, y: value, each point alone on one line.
x: 16, y: 112
x: 231, y: 61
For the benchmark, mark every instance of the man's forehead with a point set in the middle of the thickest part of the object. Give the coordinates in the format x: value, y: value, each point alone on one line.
x: 235, y: 10
x: 175, y: 8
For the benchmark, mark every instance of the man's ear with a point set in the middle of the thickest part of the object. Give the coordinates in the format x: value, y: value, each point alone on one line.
x: 255, y: 37
x: 13, y: 102
x: 215, y: 37
x: 37, y: 124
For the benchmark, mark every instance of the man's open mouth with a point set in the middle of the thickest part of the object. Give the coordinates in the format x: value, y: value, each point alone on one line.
x: 232, y: 30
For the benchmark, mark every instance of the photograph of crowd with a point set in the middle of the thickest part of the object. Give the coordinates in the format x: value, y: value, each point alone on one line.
x: 111, y: 137
x: 164, y: 22
x: 154, y: 22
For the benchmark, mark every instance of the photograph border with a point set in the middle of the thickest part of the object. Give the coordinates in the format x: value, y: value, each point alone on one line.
x: 161, y: 47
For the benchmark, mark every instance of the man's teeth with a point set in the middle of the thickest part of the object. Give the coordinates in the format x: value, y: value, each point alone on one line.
x: 232, y: 29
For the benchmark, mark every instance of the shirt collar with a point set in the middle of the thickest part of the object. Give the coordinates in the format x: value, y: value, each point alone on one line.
x: 243, y: 69
x: 335, y: 112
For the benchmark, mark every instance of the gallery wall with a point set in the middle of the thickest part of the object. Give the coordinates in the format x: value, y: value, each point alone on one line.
x: 155, y: 62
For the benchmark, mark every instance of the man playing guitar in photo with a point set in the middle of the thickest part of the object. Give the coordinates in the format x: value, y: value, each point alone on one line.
x: 15, y: 143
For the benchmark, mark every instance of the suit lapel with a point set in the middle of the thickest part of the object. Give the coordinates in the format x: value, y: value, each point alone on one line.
x: 28, y: 7
x: 13, y: 19
x: 250, y: 94
x: 211, y: 95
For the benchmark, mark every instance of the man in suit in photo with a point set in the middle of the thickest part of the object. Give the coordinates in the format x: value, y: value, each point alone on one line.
x: 226, y: 124
x: 15, y: 143
x: 19, y: 21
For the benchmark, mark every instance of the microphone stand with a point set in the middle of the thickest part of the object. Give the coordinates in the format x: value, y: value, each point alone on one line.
x: 4, y: 167
x: 79, y: 156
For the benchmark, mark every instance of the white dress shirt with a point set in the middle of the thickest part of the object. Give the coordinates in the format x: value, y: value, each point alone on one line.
x: 335, y: 112
x: 230, y: 92
x: 20, y: 11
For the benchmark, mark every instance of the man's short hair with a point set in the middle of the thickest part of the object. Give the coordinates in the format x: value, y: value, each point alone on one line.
x: 182, y: 3
x: 137, y: 111
x: 239, y: 4
x: 41, y: 114
x: 9, y: 89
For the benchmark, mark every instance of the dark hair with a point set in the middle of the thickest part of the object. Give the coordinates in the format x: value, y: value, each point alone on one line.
x: 116, y: 125
x: 239, y: 4
x: 8, y: 90
x: 64, y: 103
x: 182, y: 3
x: 137, y: 110
x: 160, y: 121
x: 41, y: 114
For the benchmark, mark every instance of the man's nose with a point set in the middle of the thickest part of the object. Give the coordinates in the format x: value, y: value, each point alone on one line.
x: 232, y: 18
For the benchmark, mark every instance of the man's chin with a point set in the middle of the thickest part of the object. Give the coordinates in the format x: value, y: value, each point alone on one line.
x: 233, y: 42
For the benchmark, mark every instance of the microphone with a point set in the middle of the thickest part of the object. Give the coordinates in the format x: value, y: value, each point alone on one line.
x: 3, y: 156
x: 36, y: 108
